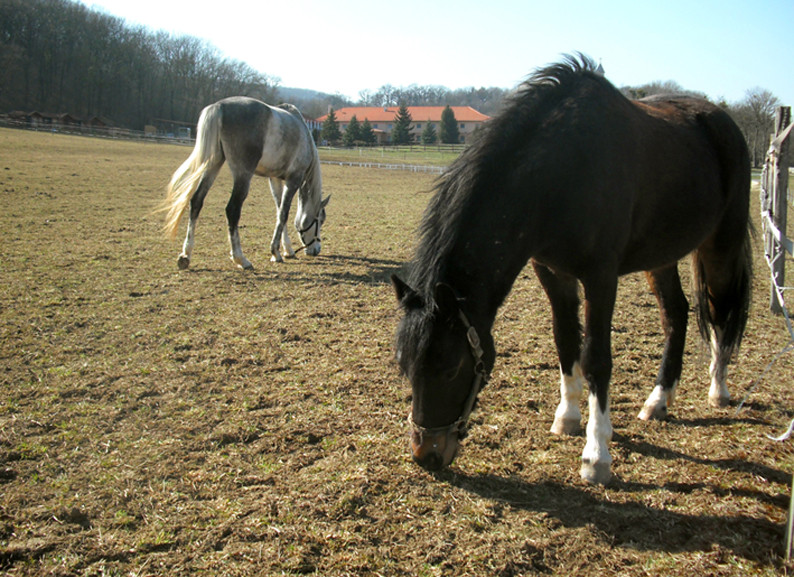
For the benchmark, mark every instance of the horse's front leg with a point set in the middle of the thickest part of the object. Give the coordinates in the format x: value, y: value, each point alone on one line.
x: 673, y: 307
x: 277, y: 190
x: 562, y: 291
x: 233, y: 210
x: 597, y: 368
x: 282, y: 214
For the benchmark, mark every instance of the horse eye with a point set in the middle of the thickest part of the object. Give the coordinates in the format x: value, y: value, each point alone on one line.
x: 452, y: 374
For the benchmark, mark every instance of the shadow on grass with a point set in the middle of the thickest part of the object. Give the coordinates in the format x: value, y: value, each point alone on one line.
x: 646, y: 527
x: 331, y: 269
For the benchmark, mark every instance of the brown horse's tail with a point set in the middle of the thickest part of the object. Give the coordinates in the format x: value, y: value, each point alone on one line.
x: 723, y: 266
x: 728, y: 311
x: 187, y: 177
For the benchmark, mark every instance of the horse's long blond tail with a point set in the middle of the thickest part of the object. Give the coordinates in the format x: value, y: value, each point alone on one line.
x: 187, y: 177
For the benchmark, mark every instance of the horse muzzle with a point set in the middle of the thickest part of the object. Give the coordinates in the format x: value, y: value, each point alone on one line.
x: 313, y: 249
x: 434, y: 452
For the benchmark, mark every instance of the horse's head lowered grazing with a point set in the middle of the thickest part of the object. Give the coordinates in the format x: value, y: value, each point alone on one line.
x: 441, y: 352
x: 309, y: 222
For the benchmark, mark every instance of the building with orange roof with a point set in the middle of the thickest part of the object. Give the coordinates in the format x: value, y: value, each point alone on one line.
x: 381, y: 118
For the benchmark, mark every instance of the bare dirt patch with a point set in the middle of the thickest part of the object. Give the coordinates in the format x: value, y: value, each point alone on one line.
x: 221, y: 422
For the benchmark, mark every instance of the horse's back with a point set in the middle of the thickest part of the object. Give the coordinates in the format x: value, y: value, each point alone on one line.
x: 646, y: 182
x: 261, y: 139
x: 706, y: 118
x: 711, y: 165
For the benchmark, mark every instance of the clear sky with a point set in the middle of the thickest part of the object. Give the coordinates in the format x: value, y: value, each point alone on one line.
x: 722, y: 48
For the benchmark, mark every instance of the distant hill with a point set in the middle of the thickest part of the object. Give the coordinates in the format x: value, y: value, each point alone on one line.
x: 311, y: 103
x: 290, y: 94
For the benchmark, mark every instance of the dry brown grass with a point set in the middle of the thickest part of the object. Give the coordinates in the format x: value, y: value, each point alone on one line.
x: 220, y: 422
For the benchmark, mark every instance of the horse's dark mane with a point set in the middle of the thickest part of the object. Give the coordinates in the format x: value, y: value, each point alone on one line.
x: 503, y: 137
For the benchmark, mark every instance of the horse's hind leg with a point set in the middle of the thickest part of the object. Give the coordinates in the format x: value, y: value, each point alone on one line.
x: 723, y: 283
x: 234, y: 208
x: 673, y: 307
x: 564, y: 298
x: 600, y: 292
x: 277, y: 190
x: 196, y: 203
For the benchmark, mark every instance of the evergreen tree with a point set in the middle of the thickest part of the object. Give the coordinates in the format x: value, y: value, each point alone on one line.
x: 448, y: 131
x: 401, y: 133
x: 330, y: 132
x: 352, y: 133
x: 429, y: 135
x: 366, y: 133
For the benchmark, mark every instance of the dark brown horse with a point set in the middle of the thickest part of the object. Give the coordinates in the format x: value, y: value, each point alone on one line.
x: 590, y: 186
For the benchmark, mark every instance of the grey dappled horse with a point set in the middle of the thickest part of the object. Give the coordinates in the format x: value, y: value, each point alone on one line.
x: 254, y: 138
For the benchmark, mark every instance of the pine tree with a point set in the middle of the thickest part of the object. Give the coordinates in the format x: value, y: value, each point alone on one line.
x: 429, y: 135
x: 330, y: 132
x: 448, y: 132
x: 352, y: 132
x: 366, y: 133
x: 401, y: 133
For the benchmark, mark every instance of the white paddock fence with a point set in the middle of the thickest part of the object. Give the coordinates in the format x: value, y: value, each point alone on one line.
x: 777, y: 246
x: 388, y: 166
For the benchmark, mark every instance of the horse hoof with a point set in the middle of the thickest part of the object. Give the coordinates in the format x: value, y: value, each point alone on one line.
x: 653, y: 412
x: 183, y: 263
x: 243, y: 263
x: 596, y: 473
x: 720, y: 402
x: 566, y: 427
x: 276, y: 258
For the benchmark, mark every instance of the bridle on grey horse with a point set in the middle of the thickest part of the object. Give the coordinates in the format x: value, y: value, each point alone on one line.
x: 316, y: 224
x: 460, y: 426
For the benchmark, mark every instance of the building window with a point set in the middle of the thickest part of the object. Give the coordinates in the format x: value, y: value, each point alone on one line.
x: 462, y: 126
x: 419, y: 127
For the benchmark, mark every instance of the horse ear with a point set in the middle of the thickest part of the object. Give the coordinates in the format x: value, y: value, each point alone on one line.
x: 407, y: 297
x: 324, y: 203
x: 447, y: 300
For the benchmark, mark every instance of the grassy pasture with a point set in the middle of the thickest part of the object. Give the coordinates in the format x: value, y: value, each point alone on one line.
x: 220, y: 422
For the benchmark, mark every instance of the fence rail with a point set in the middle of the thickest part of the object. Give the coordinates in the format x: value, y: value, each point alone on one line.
x: 774, y: 215
x: 95, y: 131
x: 774, y: 210
x: 388, y: 166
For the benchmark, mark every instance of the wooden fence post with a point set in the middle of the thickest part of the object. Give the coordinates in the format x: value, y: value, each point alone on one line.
x: 778, y: 179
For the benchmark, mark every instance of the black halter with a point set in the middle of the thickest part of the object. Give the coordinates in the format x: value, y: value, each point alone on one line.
x: 460, y: 426
x: 315, y: 223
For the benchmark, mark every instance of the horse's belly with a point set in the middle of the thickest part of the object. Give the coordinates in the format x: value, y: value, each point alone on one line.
x: 660, y: 249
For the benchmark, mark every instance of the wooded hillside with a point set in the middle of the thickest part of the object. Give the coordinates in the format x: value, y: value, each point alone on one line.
x: 60, y: 56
